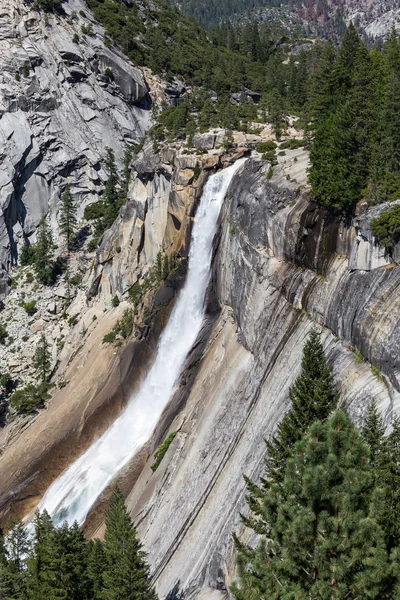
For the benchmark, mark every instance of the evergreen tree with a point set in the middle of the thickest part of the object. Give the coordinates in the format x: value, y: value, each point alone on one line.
x: 126, y: 573
x: 67, y: 218
x: 13, y: 549
x: 44, y: 254
x: 110, y: 191
x: 373, y: 433
x: 96, y: 561
x: 42, y: 359
x: 313, y: 397
x: 323, y: 538
x: 388, y: 477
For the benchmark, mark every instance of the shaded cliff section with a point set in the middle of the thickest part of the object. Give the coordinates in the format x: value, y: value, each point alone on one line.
x: 283, y: 265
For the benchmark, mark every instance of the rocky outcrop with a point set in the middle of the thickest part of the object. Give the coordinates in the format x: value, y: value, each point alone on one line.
x: 64, y: 98
x: 283, y: 266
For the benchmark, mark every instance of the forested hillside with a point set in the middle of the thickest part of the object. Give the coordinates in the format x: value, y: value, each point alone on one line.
x: 207, y: 12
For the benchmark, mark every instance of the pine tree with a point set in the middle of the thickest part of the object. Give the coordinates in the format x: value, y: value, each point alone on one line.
x: 67, y: 218
x: 313, y: 397
x: 13, y: 549
x: 42, y: 359
x: 110, y: 191
x: 126, y: 573
x: 324, y: 538
x: 44, y: 254
x: 373, y: 433
x: 96, y: 562
x: 388, y: 476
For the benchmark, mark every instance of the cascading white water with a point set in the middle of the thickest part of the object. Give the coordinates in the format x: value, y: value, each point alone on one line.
x: 71, y: 496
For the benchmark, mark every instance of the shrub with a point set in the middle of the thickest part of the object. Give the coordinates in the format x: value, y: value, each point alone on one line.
x: 292, y: 144
x: 75, y: 38
x: 30, y: 398
x: 108, y: 73
x: 109, y: 338
x: 264, y: 147
x: 76, y: 279
x: 125, y: 324
x: 3, y: 334
x: 7, y: 383
x: 115, y: 301
x: 162, y: 450
x: 27, y: 256
x: 29, y: 307
x: 29, y: 277
x: 94, y: 211
x: 386, y: 227
x: 72, y: 320
x: 118, y: 249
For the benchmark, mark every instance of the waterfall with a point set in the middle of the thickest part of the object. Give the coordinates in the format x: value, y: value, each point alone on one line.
x: 75, y: 491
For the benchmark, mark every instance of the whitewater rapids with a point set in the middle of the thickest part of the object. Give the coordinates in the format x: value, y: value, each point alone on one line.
x: 75, y: 491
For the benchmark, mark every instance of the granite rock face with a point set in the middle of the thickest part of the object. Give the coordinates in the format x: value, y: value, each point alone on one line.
x: 59, y: 111
x: 283, y: 266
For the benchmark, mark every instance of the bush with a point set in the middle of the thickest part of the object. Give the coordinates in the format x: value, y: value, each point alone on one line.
x: 292, y: 144
x: 76, y: 279
x: 115, y: 301
x: 30, y: 398
x: 386, y: 227
x: 75, y: 38
x: 3, y: 334
x: 29, y: 307
x: 162, y: 450
x: 109, y: 338
x: 264, y: 147
x: 72, y: 321
x: 125, y: 324
x: 118, y: 249
x: 27, y: 256
x: 94, y: 211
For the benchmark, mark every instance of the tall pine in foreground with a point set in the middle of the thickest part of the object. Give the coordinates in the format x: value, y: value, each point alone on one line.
x: 313, y: 397
x: 324, y: 535
x: 126, y: 575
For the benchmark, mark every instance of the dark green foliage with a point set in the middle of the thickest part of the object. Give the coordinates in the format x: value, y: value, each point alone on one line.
x: 162, y: 450
x: 386, y: 227
x: 42, y: 359
x: 51, y: 6
x: 356, y: 120
x: 59, y: 564
x: 313, y: 397
x: 372, y: 433
x: 13, y: 577
x: 3, y: 334
x: 115, y: 301
x: 126, y: 574
x: 123, y: 327
x: 27, y: 256
x: 96, y: 562
x: 30, y: 398
x: 323, y: 537
x: 44, y: 263
x: 109, y: 338
x: 29, y: 307
x: 387, y: 473
x: 94, y: 211
x: 67, y: 218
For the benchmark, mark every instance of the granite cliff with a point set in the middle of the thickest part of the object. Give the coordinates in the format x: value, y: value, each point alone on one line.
x: 281, y: 265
